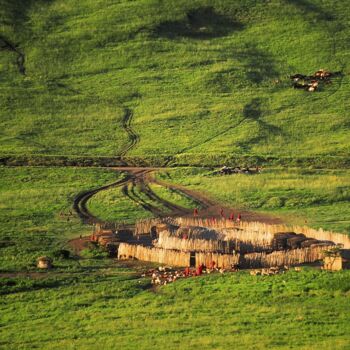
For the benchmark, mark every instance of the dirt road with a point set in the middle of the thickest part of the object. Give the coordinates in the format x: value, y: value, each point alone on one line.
x: 141, y: 178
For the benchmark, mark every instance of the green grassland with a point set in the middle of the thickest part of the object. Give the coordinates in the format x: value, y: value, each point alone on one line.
x: 201, y: 83
x: 113, y: 205
x: 174, y: 196
x: 114, y: 309
x: 317, y: 198
x: 34, y: 211
x: 201, y: 78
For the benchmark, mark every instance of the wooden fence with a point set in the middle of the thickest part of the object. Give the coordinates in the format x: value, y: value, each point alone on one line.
x: 248, y: 240
x: 204, y: 222
x: 259, y: 260
x: 145, y: 226
x: 282, y: 258
x: 221, y: 260
x: 158, y: 255
x: 266, y: 229
x: 197, y: 232
x: 168, y: 241
x: 250, y: 260
x: 230, y: 239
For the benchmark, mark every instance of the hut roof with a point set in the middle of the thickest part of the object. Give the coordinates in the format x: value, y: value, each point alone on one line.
x: 44, y: 258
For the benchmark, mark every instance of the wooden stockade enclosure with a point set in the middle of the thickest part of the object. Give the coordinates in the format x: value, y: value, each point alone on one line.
x: 158, y: 255
x: 167, y: 241
x: 285, y: 258
x: 251, y: 260
x: 265, y: 229
x: 196, y: 241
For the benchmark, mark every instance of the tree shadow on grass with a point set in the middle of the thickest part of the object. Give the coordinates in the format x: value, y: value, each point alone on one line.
x: 253, y: 111
x: 199, y: 23
x: 310, y: 8
x: 259, y: 65
x: 15, y: 12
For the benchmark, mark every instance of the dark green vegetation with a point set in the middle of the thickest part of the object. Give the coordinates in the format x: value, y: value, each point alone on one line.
x: 111, y: 308
x: 199, y: 80
x: 318, y: 198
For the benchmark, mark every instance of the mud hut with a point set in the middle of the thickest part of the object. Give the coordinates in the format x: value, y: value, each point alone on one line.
x: 44, y: 262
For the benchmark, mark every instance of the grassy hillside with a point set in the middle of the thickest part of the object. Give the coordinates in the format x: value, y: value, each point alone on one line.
x: 97, y: 303
x: 36, y: 211
x: 199, y: 77
x: 111, y: 308
x: 161, y: 82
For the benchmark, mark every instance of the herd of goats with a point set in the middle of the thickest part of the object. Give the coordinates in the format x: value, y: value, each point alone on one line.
x: 165, y: 275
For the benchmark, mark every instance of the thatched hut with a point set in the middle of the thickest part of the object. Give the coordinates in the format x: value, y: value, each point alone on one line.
x: 44, y: 262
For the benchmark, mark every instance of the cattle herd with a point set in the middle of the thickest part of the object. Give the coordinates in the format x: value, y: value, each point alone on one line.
x: 312, y: 82
x: 164, y: 275
x: 225, y: 170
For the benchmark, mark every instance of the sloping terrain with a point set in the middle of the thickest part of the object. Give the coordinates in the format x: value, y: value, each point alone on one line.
x: 164, y: 83
x: 198, y: 78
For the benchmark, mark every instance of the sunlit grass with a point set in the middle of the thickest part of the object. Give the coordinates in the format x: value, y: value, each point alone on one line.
x: 223, y: 90
x: 113, y: 205
x: 313, y: 197
x: 307, y: 310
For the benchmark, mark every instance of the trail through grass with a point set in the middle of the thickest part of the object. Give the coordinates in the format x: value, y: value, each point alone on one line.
x: 317, y: 198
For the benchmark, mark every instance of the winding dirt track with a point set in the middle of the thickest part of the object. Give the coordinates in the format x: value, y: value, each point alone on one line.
x: 81, y: 200
x: 136, y: 186
x: 132, y: 135
x: 135, y: 178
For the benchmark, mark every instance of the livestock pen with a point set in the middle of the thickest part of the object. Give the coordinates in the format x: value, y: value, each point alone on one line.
x: 196, y: 241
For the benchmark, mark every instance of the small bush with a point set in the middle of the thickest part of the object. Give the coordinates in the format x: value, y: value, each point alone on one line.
x: 274, y: 202
x: 292, y: 202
